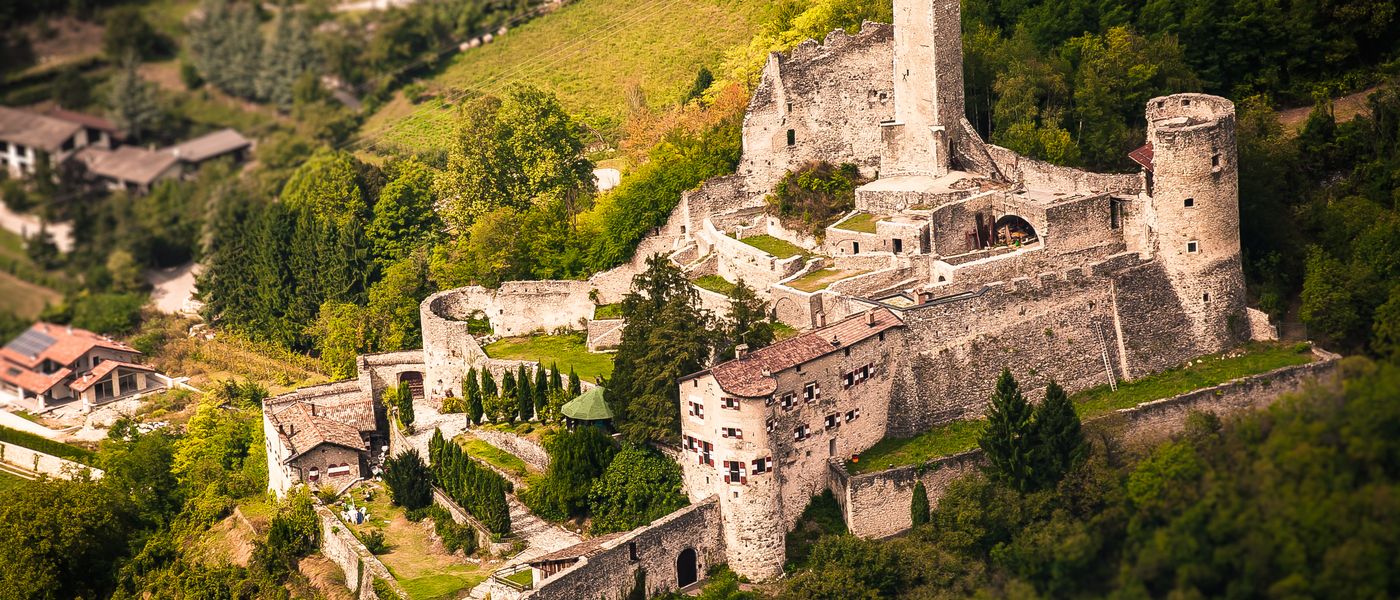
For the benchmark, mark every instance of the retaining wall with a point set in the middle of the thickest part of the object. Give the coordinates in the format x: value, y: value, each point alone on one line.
x: 47, y: 464
x: 360, y: 566
x: 526, y: 449
x: 610, y: 574
x: 877, y: 504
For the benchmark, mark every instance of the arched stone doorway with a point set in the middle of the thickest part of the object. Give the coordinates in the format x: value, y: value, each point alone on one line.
x: 414, y: 379
x: 687, y: 571
x: 1013, y: 230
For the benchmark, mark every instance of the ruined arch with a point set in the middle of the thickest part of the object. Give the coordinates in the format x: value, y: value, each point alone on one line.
x: 1012, y: 229
x: 687, y: 568
x: 414, y: 379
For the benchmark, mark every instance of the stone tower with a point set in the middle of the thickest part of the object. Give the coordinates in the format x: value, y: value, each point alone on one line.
x: 928, y: 88
x: 1194, y: 188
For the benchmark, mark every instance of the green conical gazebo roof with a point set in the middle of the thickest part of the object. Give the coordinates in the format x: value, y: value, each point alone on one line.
x: 589, y: 406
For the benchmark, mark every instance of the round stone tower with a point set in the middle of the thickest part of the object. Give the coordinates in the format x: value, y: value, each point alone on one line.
x: 1194, y: 188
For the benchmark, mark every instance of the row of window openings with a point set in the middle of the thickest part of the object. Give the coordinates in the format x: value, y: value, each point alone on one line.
x: 736, y: 471
x: 831, y: 421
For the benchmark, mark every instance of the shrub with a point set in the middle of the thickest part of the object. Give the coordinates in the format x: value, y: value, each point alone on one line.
x: 45, y: 445
x: 814, y: 196
x: 638, y: 487
x: 374, y: 542
x: 382, y: 589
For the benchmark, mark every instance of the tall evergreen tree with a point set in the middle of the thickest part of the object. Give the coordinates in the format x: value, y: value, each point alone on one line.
x: 133, y: 100
x: 556, y: 383
x: 524, y: 394
x: 748, y: 323
x: 1059, y: 440
x: 289, y: 53
x: 509, y: 392
x: 919, y: 507
x: 575, y: 386
x: 488, y: 386
x: 541, y: 391
x: 667, y: 336
x: 1009, y: 440
x: 471, y: 391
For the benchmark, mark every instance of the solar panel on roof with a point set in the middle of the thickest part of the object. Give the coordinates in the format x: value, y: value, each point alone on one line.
x: 31, y: 343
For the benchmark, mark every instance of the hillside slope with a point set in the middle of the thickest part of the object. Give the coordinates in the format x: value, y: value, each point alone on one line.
x: 588, y: 53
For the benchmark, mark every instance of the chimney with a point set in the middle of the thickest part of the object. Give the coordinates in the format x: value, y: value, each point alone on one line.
x: 741, y: 350
x: 870, y: 317
x: 835, y: 341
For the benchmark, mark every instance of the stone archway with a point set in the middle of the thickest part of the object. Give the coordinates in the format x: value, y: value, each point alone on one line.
x: 1012, y: 229
x: 687, y: 569
x: 414, y: 379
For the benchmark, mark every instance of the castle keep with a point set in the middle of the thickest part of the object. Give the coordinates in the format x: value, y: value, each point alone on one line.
x: 960, y: 258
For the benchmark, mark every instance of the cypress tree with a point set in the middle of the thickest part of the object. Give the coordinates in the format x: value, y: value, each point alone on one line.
x: 575, y: 386
x: 918, y: 508
x: 471, y: 390
x: 1059, y: 439
x: 524, y: 394
x: 541, y: 391
x: 556, y: 383
x: 1008, y: 440
x: 405, y: 405
x: 508, y: 391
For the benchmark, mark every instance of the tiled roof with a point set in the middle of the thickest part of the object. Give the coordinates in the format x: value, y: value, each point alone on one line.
x: 302, y: 426
x: 88, y: 379
x: 32, y: 381
x: 84, y: 119
x: 35, y: 130
x: 209, y: 146
x: 582, y: 549
x: 127, y: 163
x: 752, y: 375
x: 64, y: 345
x: 1143, y: 156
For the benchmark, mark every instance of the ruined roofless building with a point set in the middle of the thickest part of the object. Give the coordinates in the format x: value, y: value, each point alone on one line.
x: 980, y: 259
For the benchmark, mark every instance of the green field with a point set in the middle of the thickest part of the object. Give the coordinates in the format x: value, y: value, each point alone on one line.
x: 715, y: 283
x: 568, y: 350
x: 960, y: 436
x: 779, y: 248
x: 589, y: 53
x: 821, y: 278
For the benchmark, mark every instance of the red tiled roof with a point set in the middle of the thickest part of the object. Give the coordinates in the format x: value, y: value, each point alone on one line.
x: 752, y: 375
x: 69, y: 343
x: 88, y: 379
x: 1143, y: 156
x: 32, y: 381
x: 303, y: 430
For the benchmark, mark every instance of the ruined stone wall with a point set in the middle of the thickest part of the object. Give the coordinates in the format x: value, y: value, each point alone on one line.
x: 877, y: 504
x: 831, y: 96
x: 736, y: 260
x: 610, y: 574
x: 1041, y: 328
x: 1040, y: 174
x: 376, y: 372
x: 360, y: 566
x: 46, y: 464
x: 484, y: 538
x: 604, y: 334
x: 1081, y: 223
x: 526, y: 449
x: 716, y: 196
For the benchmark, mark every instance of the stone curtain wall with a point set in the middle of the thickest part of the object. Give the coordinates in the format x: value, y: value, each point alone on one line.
x: 877, y: 504
x: 605, y: 334
x: 360, y: 566
x: 46, y: 464
x: 609, y: 575
x: 1039, y: 174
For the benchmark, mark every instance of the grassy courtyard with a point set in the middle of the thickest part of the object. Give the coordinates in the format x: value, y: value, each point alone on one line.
x: 860, y: 223
x: 568, y: 350
x: 424, y: 570
x: 960, y: 436
x: 715, y: 283
x: 779, y: 248
x: 821, y: 279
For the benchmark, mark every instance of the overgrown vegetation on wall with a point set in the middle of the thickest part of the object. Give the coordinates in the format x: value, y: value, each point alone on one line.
x: 815, y: 195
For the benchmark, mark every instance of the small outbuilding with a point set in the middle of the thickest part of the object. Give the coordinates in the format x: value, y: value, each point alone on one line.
x: 589, y: 408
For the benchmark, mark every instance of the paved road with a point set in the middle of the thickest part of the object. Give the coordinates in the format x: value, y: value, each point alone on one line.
x: 26, y: 225
x: 14, y: 421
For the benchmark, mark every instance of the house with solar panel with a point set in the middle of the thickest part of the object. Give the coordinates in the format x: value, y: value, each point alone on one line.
x: 51, y: 366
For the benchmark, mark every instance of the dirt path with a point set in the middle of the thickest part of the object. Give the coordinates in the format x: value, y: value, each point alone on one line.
x: 1345, y: 109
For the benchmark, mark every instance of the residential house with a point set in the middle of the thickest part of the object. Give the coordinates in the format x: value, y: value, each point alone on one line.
x: 28, y: 137
x: 225, y: 142
x: 131, y: 168
x: 50, y: 365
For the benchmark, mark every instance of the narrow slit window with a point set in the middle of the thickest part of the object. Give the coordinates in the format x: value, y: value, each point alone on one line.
x: 792, y: 137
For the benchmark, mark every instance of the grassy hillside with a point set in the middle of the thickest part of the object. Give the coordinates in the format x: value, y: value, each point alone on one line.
x: 589, y: 53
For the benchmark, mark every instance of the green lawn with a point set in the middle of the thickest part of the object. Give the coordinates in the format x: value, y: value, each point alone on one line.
x: 960, y: 436
x: 569, y: 350
x: 782, y: 331
x: 820, y: 279
x: 497, y: 457
x: 777, y: 247
x: 524, y: 578
x: 589, y: 53
x: 608, y: 311
x: 424, y: 571
x: 860, y: 222
x: 8, y: 481
x: 715, y: 283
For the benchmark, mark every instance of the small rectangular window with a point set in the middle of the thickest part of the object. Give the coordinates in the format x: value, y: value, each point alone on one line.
x: 697, y: 410
x: 898, y: 245
x: 1192, y: 247
x: 762, y: 465
x: 1215, y: 160
x: 729, y: 403
x: 811, y: 392
x: 768, y: 425
x: 832, y: 420
x: 1205, y: 297
x: 801, y: 433
x: 848, y: 380
x: 731, y: 432
x: 852, y: 415
x: 792, y: 137
x: 788, y: 401
x: 1190, y: 202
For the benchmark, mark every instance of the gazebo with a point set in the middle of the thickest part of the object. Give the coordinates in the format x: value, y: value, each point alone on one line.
x: 589, y: 408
